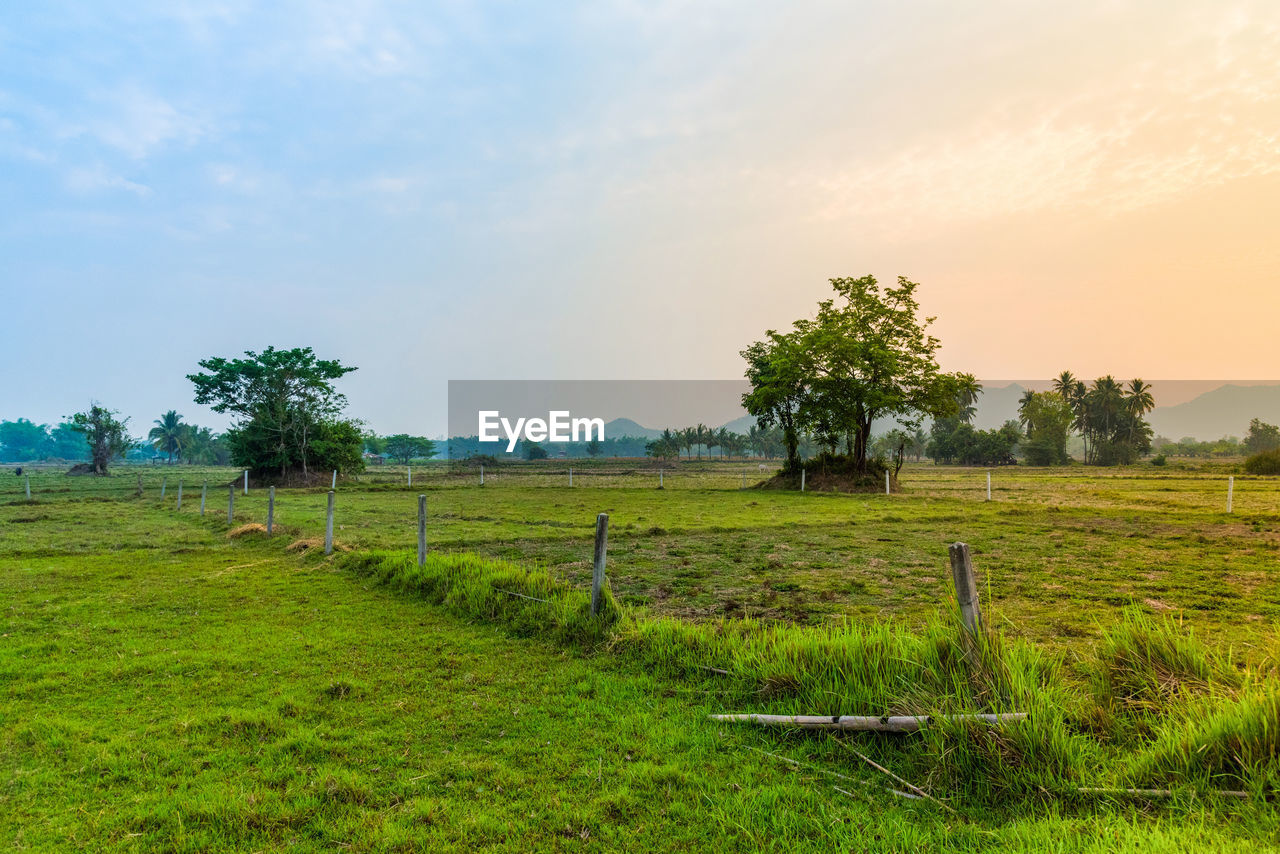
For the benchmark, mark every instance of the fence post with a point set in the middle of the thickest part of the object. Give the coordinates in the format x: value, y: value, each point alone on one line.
x: 204, y: 491
x: 571, y: 475
x: 482, y: 474
x: 422, y: 530
x: 659, y: 478
x: 231, y: 501
x: 271, y: 509
x: 164, y: 481
x: 802, y: 474
x: 328, y: 526
x: 988, y: 486
x: 246, y: 481
x: 408, y: 470
x: 597, y: 571
x: 966, y: 587
x: 744, y: 479
x: 28, y: 478
x: 886, y: 482
x: 334, y: 483
x: 179, y: 507
x: 1231, y: 488
x: 139, y: 486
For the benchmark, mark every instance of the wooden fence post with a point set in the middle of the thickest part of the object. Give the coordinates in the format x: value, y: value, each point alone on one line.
x: 204, y: 491
x: 597, y: 572
x: 422, y: 530
x: 231, y: 501
x: 328, y: 526
x: 966, y: 587
x: 179, y: 507
x: 271, y: 509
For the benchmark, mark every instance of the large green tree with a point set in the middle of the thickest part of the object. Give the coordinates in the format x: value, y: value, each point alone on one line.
x: 1261, y: 437
x: 866, y: 355
x: 287, y: 404
x: 23, y: 440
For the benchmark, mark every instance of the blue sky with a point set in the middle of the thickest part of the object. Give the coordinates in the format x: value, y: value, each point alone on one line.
x: 599, y: 190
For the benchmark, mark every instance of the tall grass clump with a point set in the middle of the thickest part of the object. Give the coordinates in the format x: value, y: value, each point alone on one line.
x: 1142, y: 665
x: 529, y: 602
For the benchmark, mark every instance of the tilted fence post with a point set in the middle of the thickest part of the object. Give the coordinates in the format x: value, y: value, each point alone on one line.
x: 597, y: 571
x: 966, y: 587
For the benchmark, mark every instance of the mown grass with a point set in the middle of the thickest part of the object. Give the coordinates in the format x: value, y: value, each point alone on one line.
x: 1061, y: 552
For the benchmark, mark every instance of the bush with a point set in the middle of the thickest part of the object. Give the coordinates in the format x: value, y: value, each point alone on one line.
x: 1267, y: 462
x: 1159, y: 460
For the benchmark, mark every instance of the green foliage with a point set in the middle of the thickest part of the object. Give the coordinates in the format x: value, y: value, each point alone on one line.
x: 533, y: 451
x: 22, y: 440
x: 106, y: 436
x: 954, y: 441
x: 865, y: 358
x: 404, y: 447
x: 1110, y: 417
x: 1189, y: 446
x: 287, y: 402
x: 336, y: 445
x: 1047, y: 418
x: 1267, y: 462
x: 170, y: 435
x: 1261, y: 437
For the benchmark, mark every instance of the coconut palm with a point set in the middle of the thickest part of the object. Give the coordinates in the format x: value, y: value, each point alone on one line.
x: 169, y: 435
x: 1024, y: 408
x: 967, y: 391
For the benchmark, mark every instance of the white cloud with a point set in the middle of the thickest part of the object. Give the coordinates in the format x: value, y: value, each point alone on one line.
x: 97, y: 178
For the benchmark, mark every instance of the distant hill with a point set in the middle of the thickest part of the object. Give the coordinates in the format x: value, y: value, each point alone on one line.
x: 997, y: 405
x: 1225, y: 411
x: 619, y: 427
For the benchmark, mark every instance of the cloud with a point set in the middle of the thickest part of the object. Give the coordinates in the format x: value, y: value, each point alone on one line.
x: 97, y: 179
x: 140, y: 123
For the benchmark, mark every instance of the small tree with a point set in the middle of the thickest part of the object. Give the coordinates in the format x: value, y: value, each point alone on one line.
x: 169, y: 435
x: 107, y: 437
x: 534, y: 451
x: 594, y: 448
x: 404, y: 447
x: 1261, y: 437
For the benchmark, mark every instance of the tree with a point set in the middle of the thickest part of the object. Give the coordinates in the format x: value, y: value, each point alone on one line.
x: 534, y: 451
x: 67, y: 443
x: 404, y: 447
x: 594, y: 448
x: 284, y: 398
x: 865, y: 356
x: 23, y: 440
x: 1047, y: 419
x: 107, y: 437
x: 1261, y: 437
x: 169, y: 435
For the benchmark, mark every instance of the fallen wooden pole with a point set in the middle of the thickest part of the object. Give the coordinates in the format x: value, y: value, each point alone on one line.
x: 867, y: 723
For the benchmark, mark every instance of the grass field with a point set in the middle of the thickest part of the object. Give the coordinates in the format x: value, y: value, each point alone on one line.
x: 170, y: 688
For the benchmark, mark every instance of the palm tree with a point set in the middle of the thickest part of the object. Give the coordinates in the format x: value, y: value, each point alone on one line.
x: 1138, y: 401
x: 169, y: 435
x: 967, y: 390
x: 1024, y: 408
x: 1065, y: 384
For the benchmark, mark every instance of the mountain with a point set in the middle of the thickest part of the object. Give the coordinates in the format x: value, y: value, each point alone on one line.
x: 1225, y: 411
x: 741, y: 425
x: 997, y: 405
x: 619, y: 427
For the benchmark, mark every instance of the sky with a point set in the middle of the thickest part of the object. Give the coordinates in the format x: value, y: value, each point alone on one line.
x: 624, y: 190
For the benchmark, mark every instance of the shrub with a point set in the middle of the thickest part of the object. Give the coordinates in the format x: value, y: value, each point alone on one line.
x: 1267, y: 462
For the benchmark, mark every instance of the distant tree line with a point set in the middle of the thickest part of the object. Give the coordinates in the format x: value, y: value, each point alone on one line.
x: 763, y: 442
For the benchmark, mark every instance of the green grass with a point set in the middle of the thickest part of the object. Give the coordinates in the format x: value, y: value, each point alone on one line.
x: 168, y: 688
